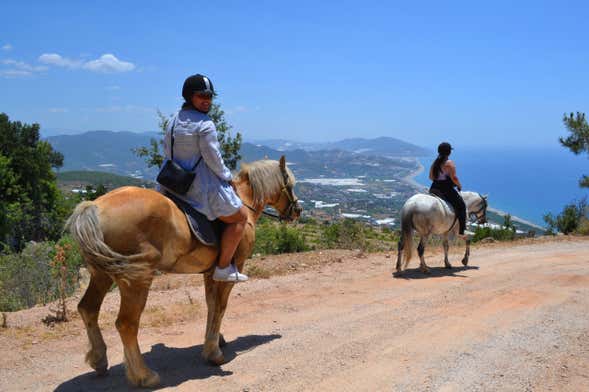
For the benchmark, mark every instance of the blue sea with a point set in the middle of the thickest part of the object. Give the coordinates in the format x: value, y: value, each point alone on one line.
x: 526, y: 182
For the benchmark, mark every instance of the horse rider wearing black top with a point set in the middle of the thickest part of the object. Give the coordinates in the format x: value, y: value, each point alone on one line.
x: 443, y: 174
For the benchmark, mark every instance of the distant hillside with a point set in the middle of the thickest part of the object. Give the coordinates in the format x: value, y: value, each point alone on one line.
x: 105, y: 151
x: 109, y: 180
x: 387, y: 146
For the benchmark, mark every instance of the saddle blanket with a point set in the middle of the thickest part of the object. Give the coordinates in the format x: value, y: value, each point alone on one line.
x: 206, y: 231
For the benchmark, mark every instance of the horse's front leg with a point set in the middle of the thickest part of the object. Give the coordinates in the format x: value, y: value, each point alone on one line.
x: 446, y: 247
x: 421, y: 250
x: 466, y: 253
x: 217, y: 295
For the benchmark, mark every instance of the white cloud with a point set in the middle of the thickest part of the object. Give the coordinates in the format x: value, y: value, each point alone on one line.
x: 58, y: 110
x: 22, y: 66
x: 7, y: 47
x: 108, y: 63
x: 19, y: 69
x: 59, y: 61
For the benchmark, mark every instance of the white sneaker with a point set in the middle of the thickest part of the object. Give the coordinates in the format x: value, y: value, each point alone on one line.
x: 229, y: 274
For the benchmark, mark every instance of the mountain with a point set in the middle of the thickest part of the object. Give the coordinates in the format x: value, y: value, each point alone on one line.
x: 387, y: 146
x: 104, y: 151
x: 111, y: 151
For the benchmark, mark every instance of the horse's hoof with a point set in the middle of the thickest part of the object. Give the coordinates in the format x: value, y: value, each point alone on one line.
x: 425, y: 270
x: 215, y: 358
x: 465, y: 262
x: 150, y: 381
x: 222, y: 342
x: 448, y: 266
x: 100, y: 364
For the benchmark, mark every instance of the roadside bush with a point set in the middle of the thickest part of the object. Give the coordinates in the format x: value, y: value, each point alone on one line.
x: 31, y: 277
x: 347, y: 234
x: 572, y: 218
x: 276, y: 239
x: 504, y: 234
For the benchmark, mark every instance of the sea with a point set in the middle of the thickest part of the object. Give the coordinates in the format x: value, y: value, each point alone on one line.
x: 524, y: 182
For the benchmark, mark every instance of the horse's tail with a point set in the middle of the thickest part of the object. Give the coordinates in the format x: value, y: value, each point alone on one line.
x: 84, y: 227
x: 407, y: 235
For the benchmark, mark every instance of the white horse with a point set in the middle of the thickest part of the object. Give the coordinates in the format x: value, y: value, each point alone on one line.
x: 428, y: 214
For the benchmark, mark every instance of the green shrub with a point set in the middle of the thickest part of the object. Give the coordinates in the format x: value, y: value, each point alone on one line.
x: 347, y: 234
x: 276, y: 239
x: 504, y: 234
x: 569, y: 220
x: 30, y: 277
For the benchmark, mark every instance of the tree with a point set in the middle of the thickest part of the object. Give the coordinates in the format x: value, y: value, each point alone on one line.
x: 29, y: 197
x: 229, y: 145
x: 578, y: 140
x: 508, y: 222
x: 569, y: 219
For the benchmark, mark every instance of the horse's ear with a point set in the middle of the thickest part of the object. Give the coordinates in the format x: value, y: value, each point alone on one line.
x: 486, y: 197
x: 283, y: 162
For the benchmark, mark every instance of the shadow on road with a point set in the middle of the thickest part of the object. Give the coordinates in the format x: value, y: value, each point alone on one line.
x: 174, y: 365
x: 434, y: 272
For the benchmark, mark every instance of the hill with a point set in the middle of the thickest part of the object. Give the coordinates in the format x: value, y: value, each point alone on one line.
x: 387, y: 146
x: 87, y: 177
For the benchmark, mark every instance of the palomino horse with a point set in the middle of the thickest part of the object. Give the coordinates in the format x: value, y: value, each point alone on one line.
x: 429, y: 215
x: 130, y: 232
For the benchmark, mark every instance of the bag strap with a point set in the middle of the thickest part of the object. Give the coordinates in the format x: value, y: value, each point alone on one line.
x: 172, y: 147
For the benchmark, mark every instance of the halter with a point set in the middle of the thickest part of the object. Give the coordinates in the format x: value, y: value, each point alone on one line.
x: 483, y: 209
x: 292, y: 202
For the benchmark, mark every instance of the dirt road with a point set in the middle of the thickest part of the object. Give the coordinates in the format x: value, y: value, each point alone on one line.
x: 517, y: 319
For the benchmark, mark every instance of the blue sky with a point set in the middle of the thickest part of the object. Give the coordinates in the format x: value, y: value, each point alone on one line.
x: 499, y: 73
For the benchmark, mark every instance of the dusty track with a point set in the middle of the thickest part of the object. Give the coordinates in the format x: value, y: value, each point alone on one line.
x: 517, y: 319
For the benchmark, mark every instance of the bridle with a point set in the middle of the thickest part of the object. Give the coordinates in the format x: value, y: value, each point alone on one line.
x: 482, y: 210
x: 286, y: 214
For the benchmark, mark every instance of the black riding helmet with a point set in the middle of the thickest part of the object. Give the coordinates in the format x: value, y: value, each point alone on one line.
x: 445, y: 148
x: 197, y: 84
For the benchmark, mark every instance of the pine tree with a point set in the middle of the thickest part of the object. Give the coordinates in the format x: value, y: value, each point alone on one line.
x: 578, y: 140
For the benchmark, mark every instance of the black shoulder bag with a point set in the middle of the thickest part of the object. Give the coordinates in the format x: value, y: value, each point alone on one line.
x: 173, y: 176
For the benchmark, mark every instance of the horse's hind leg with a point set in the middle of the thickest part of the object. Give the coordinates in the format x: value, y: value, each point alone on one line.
x: 399, y: 253
x: 89, y: 307
x: 421, y: 250
x: 466, y: 253
x: 446, y: 247
x: 133, y: 298
x: 217, y: 295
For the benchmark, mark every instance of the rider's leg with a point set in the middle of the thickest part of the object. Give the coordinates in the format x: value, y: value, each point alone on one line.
x: 235, y: 225
x: 459, y: 209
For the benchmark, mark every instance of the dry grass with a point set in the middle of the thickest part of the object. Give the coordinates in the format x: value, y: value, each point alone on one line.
x: 160, y: 316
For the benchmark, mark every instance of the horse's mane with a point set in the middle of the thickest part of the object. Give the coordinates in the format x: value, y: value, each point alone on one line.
x: 265, y: 178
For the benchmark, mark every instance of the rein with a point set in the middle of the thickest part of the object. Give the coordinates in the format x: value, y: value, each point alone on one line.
x: 483, y: 209
x: 284, y: 215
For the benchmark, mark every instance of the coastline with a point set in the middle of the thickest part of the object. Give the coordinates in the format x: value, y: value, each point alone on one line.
x: 516, y: 219
x: 410, y: 179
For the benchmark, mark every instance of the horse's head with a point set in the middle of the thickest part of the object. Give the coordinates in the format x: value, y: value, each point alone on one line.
x: 272, y: 183
x: 479, y: 208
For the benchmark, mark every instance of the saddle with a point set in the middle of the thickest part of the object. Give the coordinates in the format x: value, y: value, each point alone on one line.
x: 437, y: 193
x: 206, y: 231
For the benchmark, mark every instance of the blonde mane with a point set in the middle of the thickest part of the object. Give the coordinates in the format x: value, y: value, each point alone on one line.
x: 265, y: 178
